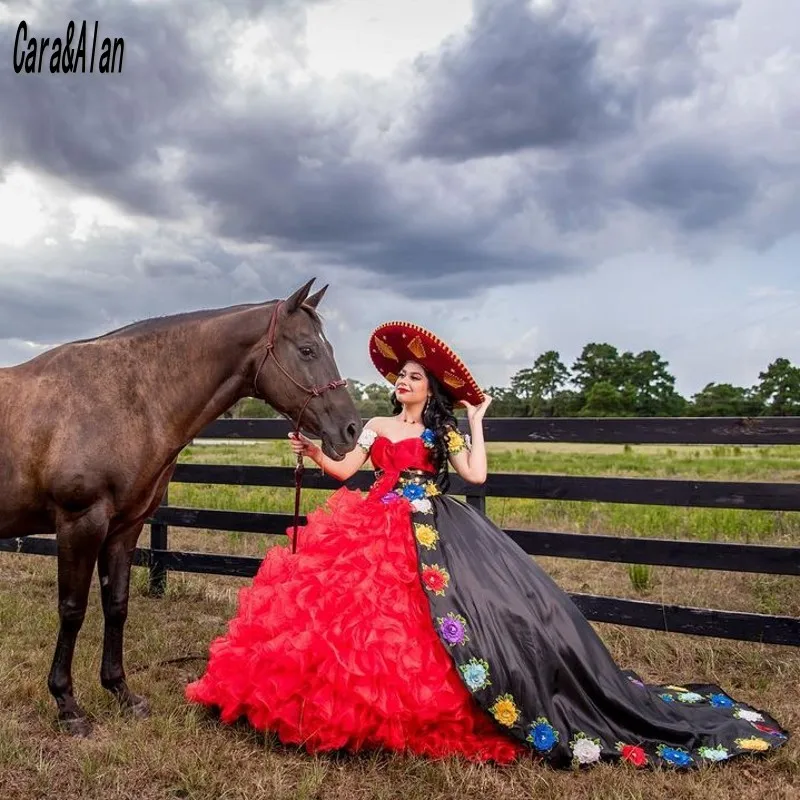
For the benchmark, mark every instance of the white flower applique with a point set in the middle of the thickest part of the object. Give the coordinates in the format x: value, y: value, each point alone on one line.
x: 750, y: 716
x: 423, y: 505
x: 584, y: 749
x: 367, y: 439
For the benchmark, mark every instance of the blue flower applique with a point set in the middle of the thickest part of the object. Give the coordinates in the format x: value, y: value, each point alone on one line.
x: 413, y: 491
x: 674, y: 755
x: 428, y: 437
x: 718, y: 753
x: 667, y: 698
x: 720, y: 700
x: 476, y: 674
x: 542, y: 735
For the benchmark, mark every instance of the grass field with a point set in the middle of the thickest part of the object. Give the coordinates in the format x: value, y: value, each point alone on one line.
x: 182, y: 753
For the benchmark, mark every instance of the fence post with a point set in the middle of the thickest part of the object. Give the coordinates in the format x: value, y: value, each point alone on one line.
x: 477, y: 501
x: 159, y: 541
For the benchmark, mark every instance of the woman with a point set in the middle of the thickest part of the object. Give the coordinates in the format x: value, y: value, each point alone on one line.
x: 408, y: 621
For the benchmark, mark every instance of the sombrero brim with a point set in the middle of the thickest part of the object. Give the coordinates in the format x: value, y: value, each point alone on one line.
x: 394, y: 343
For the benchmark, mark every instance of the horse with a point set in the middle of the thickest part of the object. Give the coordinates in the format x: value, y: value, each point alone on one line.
x: 91, y: 431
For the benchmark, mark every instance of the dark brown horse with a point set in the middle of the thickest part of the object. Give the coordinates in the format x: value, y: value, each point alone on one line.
x: 90, y: 433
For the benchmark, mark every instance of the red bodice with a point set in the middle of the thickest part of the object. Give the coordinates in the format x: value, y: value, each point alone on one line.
x: 391, y: 458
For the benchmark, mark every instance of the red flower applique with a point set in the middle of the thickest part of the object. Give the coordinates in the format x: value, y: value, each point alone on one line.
x: 633, y: 753
x: 435, y: 578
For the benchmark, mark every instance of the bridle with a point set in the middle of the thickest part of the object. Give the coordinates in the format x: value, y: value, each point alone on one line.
x: 313, y: 391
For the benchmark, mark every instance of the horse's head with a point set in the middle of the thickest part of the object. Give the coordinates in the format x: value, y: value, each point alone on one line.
x: 301, y: 379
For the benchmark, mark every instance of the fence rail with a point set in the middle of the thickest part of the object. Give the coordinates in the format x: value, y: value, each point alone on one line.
x: 765, y: 559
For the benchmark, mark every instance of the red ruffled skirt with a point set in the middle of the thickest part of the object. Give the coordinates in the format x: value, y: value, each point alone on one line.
x: 334, y: 647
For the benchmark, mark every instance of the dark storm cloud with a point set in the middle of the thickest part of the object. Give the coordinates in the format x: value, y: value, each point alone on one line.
x: 518, y: 79
x: 277, y: 171
x: 697, y: 184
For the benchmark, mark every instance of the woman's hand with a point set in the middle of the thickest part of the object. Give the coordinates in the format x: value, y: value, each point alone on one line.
x: 475, y: 413
x: 302, y: 446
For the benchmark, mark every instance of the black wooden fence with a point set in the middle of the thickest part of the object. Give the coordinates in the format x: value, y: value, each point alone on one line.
x: 765, y: 559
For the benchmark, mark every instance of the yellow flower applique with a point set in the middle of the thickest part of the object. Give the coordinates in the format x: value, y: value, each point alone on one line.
x: 505, y: 710
x: 426, y: 535
x: 455, y: 442
x: 753, y: 743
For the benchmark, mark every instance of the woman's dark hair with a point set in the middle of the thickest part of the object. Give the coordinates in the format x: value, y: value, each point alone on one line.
x: 439, y: 417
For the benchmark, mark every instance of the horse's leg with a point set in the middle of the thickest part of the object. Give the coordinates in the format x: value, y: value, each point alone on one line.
x: 114, y: 568
x: 78, y: 545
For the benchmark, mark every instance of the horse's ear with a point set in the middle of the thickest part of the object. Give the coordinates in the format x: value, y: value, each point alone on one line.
x: 313, y: 301
x: 298, y: 298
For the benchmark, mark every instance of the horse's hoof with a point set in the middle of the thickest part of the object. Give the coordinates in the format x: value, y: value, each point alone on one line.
x: 138, y: 707
x: 75, y: 726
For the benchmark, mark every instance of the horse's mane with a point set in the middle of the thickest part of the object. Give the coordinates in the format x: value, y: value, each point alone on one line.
x: 169, y: 321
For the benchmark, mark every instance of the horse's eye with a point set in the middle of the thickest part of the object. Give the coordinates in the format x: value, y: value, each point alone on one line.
x: 307, y: 351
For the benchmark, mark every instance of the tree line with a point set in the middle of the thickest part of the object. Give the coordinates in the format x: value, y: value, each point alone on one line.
x: 603, y: 382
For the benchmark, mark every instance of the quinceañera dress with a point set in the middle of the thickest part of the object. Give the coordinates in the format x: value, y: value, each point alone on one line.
x: 408, y: 621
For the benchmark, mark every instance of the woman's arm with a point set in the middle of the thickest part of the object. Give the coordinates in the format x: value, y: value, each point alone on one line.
x: 469, y: 459
x: 341, y: 470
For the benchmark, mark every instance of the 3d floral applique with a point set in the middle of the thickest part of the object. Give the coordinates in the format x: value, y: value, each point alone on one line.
x: 632, y: 753
x: 366, y: 439
x: 412, y: 491
x: 750, y: 716
x: 455, y: 442
x: 436, y: 579
x: 674, y: 755
x: 422, y: 505
x: 720, y: 700
x: 667, y: 697
x: 505, y: 710
x: 431, y: 489
x: 476, y: 674
x: 753, y: 743
x: 718, y: 753
x: 426, y: 535
x: 690, y: 697
x: 585, y: 750
x: 428, y: 438
x: 677, y: 688
x: 542, y: 735
x: 453, y: 628
x: 636, y: 681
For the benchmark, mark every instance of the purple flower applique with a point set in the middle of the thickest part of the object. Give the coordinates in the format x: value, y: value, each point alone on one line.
x: 453, y: 628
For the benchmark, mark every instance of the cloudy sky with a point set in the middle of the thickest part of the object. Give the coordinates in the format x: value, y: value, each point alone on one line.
x: 518, y: 175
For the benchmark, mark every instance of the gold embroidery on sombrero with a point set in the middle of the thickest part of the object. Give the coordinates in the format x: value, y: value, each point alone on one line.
x: 385, y: 349
x: 417, y: 348
x: 452, y: 380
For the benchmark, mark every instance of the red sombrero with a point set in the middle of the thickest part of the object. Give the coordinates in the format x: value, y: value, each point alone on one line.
x: 394, y: 343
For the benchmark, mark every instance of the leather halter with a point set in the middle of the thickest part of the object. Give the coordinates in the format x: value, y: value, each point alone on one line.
x: 313, y: 391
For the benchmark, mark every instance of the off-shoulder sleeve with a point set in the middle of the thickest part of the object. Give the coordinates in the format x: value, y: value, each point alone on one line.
x: 455, y: 441
x: 366, y: 439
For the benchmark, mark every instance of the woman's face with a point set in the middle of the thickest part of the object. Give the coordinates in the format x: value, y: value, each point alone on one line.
x: 411, y: 385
